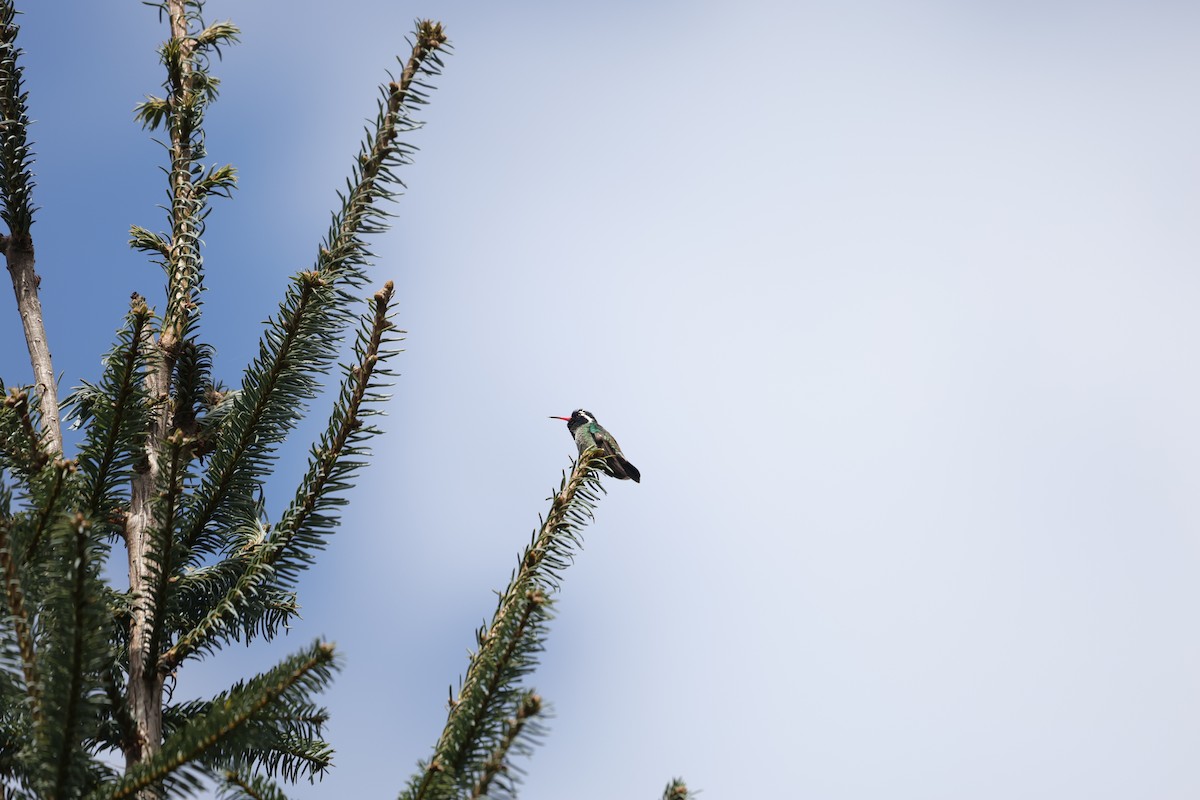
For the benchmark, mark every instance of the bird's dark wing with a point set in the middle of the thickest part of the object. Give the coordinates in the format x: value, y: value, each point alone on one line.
x: 615, y: 463
x: 605, y: 444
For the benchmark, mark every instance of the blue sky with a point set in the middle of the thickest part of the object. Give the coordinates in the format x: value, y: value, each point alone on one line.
x: 892, y: 304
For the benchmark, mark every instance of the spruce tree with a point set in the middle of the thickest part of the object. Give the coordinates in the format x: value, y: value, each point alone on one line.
x: 174, y: 465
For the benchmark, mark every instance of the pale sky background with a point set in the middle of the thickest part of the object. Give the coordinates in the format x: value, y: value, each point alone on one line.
x: 893, y: 304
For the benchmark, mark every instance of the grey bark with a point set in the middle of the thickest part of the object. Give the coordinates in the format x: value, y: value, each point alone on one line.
x: 18, y: 250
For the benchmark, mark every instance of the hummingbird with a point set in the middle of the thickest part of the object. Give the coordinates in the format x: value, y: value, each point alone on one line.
x: 588, y: 433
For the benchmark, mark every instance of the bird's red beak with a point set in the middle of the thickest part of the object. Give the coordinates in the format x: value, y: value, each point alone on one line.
x: 564, y: 419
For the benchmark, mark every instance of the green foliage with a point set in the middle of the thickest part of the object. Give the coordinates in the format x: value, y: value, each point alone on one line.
x: 225, y: 733
x: 16, y: 175
x: 294, y: 351
x: 21, y: 450
x: 487, y: 715
x: 115, y: 413
x: 336, y: 458
x: 677, y: 790
x: 164, y: 446
x: 237, y: 786
x: 178, y: 467
x: 249, y: 593
x: 499, y: 776
x: 73, y: 642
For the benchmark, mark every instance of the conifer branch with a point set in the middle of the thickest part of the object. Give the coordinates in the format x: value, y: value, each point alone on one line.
x: 75, y: 656
x: 299, y: 345
x: 326, y: 473
x: 14, y: 597
x: 261, y: 403
x: 278, y: 753
x: 248, y: 787
x: 298, y: 675
x: 16, y: 189
x: 498, y: 764
x: 507, y: 649
x: 152, y: 420
x: 677, y: 790
x: 343, y: 250
x: 69, y: 728
x: 223, y: 613
x: 465, y: 741
x: 193, y: 393
x: 19, y: 442
x: 126, y: 727
x: 160, y: 555
x: 148, y: 241
x: 117, y: 411
x: 284, y: 742
x: 14, y: 735
x: 49, y: 507
x: 16, y: 179
x: 189, y: 89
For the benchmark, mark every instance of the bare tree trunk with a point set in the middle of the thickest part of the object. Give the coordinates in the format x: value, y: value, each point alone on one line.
x: 19, y: 252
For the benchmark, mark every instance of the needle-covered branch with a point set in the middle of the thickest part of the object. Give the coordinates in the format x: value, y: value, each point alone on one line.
x: 265, y: 562
x: 16, y: 209
x: 677, y: 790
x: 115, y: 412
x: 177, y: 466
x: 301, y: 340
x: 227, y: 722
x: 183, y: 603
x: 238, y: 786
x: 21, y: 449
x: 332, y: 464
x: 76, y: 655
x: 163, y: 552
x: 190, y: 88
x: 150, y: 539
x: 496, y: 781
x: 286, y: 742
x: 17, y: 618
x: 16, y: 177
x: 490, y: 693
x: 343, y: 251
x: 294, y: 347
